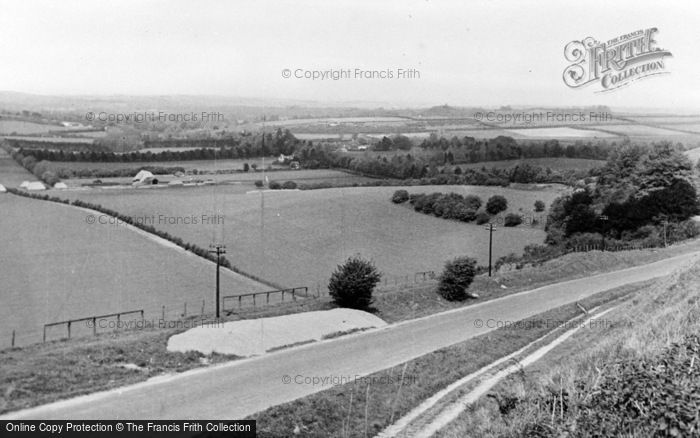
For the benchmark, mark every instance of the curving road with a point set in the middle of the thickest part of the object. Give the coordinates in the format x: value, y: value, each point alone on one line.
x: 240, y: 388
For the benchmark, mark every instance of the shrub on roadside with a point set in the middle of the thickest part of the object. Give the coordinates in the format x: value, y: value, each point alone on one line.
x: 274, y: 185
x: 456, y: 278
x: 289, y: 185
x: 258, y: 183
x: 352, y: 284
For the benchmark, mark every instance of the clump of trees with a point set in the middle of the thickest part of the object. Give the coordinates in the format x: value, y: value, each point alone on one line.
x: 456, y: 279
x: 352, y: 283
x: 539, y: 206
x: 640, y: 194
x: 496, y: 204
x: 446, y: 205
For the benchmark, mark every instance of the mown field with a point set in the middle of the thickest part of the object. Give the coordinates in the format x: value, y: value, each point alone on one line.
x: 19, y: 127
x: 202, y: 165
x: 552, y: 163
x: 11, y: 173
x: 297, y: 238
x: 54, y: 266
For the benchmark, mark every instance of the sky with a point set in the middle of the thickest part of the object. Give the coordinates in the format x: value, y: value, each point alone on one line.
x: 476, y: 53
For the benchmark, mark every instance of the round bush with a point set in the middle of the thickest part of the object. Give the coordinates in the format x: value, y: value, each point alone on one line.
x: 274, y: 185
x: 539, y: 206
x: 482, y: 218
x: 352, y: 284
x: 258, y: 183
x: 456, y: 278
x: 289, y: 185
x: 496, y: 204
x: 400, y: 196
x: 512, y: 220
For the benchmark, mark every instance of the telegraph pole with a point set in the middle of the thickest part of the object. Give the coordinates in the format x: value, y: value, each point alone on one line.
x: 219, y: 249
x: 490, y: 230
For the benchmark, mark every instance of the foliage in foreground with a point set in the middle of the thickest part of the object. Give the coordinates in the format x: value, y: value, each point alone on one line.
x: 352, y: 284
x: 456, y: 278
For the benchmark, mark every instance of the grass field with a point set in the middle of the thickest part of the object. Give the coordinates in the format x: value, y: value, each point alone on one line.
x: 18, y: 127
x: 11, y: 173
x: 561, y: 132
x: 55, y: 266
x: 299, y: 237
x: 201, y: 165
x: 552, y: 163
x: 54, y: 139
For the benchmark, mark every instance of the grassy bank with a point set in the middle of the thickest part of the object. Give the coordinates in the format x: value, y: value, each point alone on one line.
x: 365, y: 406
x: 641, y: 378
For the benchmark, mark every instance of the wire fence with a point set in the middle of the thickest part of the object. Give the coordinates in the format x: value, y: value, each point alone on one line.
x: 186, y: 315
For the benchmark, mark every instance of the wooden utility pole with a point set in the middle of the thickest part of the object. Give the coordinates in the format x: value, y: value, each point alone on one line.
x: 218, y: 249
x: 490, y: 230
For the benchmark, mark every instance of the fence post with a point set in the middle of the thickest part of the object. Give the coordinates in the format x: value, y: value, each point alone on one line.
x: 13, y: 339
x: 185, y: 313
x: 118, y: 319
x: 202, y: 307
x: 268, y: 298
x: 294, y: 298
x: 44, y: 333
x: 69, y: 329
x: 163, y: 313
x: 142, y: 314
x: 253, y: 300
x: 239, y: 301
x: 283, y: 295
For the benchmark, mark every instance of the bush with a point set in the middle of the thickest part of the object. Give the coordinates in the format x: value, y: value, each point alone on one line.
x: 246, y: 167
x: 482, y: 218
x: 512, y: 220
x: 496, y: 204
x: 274, y: 185
x: 463, y: 213
x: 473, y: 201
x: 456, y: 278
x: 289, y: 185
x: 400, y: 196
x: 352, y: 284
x: 539, y: 206
x: 258, y: 183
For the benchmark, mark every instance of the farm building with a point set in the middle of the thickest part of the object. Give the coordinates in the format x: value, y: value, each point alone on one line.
x: 24, y: 185
x: 2, y: 189
x: 60, y: 185
x: 35, y: 185
x: 143, y: 177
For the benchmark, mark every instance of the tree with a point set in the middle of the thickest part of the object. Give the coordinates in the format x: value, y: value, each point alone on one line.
x: 539, y: 206
x: 482, y: 218
x: 400, y: 196
x: 246, y: 167
x: 352, y: 284
x: 456, y: 278
x: 512, y: 220
x: 496, y: 204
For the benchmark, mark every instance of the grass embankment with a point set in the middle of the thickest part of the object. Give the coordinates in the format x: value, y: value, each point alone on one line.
x: 43, y: 373
x: 367, y: 405
x: 640, y: 378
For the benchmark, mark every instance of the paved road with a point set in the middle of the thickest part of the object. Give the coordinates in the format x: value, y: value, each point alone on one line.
x: 240, y: 388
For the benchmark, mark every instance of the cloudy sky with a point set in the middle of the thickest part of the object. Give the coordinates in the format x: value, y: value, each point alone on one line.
x: 467, y: 53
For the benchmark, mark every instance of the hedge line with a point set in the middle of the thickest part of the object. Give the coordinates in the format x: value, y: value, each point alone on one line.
x: 148, y: 228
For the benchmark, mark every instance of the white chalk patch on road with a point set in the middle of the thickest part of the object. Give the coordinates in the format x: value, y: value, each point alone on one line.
x: 257, y: 336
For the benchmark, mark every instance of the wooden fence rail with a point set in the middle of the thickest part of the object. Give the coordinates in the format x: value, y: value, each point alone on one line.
x: 90, y: 318
x: 294, y: 292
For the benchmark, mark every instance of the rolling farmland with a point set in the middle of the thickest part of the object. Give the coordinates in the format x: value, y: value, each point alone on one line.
x: 72, y: 269
x: 301, y: 236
